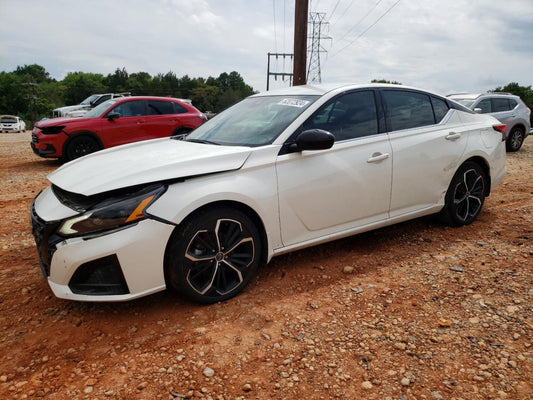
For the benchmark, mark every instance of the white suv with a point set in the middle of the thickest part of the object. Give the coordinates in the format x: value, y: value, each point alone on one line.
x: 507, y: 108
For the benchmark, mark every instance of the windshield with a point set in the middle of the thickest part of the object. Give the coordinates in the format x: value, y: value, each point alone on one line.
x: 255, y: 121
x: 88, y: 100
x: 465, y: 102
x: 99, y: 109
x: 8, y: 120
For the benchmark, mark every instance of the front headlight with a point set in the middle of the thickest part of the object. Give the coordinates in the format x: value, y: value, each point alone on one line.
x: 112, y: 213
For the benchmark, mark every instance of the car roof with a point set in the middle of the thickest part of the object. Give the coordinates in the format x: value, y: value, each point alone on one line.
x: 129, y: 98
x: 321, y: 89
x: 473, y: 96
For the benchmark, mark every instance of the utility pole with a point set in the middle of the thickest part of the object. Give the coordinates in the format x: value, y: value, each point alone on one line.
x: 300, y: 42
x: 31, y: 98
x: 283, y: 74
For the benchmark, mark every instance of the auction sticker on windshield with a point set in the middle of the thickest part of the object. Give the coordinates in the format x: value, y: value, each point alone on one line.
x: 293, y: 103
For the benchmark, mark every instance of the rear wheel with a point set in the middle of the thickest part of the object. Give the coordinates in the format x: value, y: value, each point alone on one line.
x: 181, y: 133
x: 515, y: 139
x: 213, y: 256
x: 465, y: 196
x: 81, y: 146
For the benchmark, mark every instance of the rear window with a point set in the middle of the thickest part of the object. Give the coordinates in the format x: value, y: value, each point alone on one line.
x: 159, y: 107
x: 406, y: 110
x: 499, y: 105
x: 440, y: 108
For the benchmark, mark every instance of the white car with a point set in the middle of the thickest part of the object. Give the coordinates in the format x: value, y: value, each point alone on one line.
x: 11, y: 123
x: 279, y: 171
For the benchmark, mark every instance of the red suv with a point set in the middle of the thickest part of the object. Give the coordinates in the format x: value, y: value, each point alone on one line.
x: 112, y: 123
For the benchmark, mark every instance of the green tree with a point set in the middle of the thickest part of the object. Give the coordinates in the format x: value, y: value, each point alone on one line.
x: 13, y: 96
x: 78, y: 86
x: 35, y: 72
x: 117, y: 82
x: 204, y: 98
x: 385, y: 81
x: 139, y: 83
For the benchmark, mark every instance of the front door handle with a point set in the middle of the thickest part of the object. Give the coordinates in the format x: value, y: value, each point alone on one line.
x: 453, y: 136
x: 377, y: 157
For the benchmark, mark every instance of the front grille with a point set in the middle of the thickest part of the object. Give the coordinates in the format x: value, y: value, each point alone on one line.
x: 45, y: 239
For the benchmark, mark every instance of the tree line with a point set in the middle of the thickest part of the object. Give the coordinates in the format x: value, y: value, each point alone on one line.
x: 30, y: 93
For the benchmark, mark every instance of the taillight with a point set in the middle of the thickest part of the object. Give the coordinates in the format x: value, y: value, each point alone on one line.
x: 528, y: 111
x: 502, y: 130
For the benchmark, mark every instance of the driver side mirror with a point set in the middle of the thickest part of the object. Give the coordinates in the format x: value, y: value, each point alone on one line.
x: 478, y: 110
x: 313, y: 139
x: 113, y: 115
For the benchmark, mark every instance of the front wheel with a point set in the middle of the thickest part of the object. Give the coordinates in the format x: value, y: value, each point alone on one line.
x: 213, y: 256
x: 465, y: 196
x: 515, y: 139
x: 81, y: 146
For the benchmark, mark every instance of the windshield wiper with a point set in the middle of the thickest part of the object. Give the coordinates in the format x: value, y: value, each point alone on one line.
x: 201, y: 141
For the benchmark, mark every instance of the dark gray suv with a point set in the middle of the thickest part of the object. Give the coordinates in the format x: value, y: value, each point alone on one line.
x: 507, y: 108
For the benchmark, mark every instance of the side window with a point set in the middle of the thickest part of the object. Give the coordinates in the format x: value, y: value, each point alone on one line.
x: 100, y: 100
x: 348, y: 116
x: 512, y: 104
x: 179, y: 109
x: 407, y: 110
x: 440, y: 108
x: 159, y: 107
x: 130, y: 109
x: 499, y: 105
x: 485, y: 106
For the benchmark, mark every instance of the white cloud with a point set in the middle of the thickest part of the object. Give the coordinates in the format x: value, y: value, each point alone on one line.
x: 443, y: 46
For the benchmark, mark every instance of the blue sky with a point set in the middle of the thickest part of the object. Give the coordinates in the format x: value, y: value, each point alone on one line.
x: 441, y: 45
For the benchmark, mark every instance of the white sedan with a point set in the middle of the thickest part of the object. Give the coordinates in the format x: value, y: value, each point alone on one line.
x: 279, y: 171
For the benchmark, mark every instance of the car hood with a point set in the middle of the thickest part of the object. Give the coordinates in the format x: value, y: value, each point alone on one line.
x: 70, y: 108
x: 61, y: 121
x: 145, y: 162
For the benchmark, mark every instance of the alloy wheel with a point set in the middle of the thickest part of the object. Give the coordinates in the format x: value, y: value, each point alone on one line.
x: 469, y: 195
x: 217, y: 259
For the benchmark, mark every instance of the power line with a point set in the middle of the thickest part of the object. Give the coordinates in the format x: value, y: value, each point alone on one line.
x: 284, y: 24
x: 275, y: 32
x: 361, y: 20
x: 367, y: 29
x: 334, y: 8
x: 344, y: 13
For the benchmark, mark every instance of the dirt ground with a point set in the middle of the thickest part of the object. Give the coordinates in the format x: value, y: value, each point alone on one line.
x: 414, y: 311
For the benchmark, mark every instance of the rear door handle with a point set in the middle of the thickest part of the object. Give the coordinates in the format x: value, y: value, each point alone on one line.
x: 453, y: 136
x: 377, y: 157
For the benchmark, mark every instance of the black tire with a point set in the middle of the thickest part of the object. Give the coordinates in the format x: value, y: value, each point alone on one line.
x: 515, y: 139
x: 80, y: 146
x: 465, y: 196
x: 213, y: 256
x: 181, y: 133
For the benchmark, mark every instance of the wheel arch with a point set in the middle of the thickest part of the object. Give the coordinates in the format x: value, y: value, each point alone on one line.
x: 486, y: 170
x: 73, y: 136
x: 519, y: 125
x: 249, y: 211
